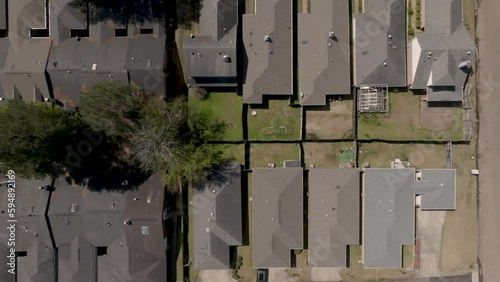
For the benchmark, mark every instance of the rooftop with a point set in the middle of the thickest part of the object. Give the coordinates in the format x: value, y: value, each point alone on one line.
x: 442, y: 54
x: 268, y: 50
x: 217, y: 219
x: 277, y: 208
x: 334, y: 215
x: 324, y: 51
x: 389, y: 209
x: 380, y: 43
x: 32, y: 235
x: 210, y: 57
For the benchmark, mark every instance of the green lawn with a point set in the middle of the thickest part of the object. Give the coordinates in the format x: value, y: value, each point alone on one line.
x: 226, y: 106
x: 406, y: 121
x: 408, y: 257
x: 262, y: 154
x: 274, y: 121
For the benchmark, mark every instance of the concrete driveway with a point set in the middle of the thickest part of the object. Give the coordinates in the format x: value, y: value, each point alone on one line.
x: 215, y: 275
x: 429, y: 227
x: 489, y: 139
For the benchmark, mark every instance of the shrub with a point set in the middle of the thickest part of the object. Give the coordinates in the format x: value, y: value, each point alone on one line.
x: 411, y: 31
x: 199, y: 93
x: 410, y: 11
x: 234, y: 274
x: 237, y: 267
x: 239, y: 263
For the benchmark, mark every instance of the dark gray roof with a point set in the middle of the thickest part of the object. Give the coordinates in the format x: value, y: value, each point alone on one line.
x: 373, y: 46
x: 277, y: 221
x: 3, y: 14
x: 389, y: 209
x: 324, y: 62
x: 441, y: 55
x: 138, y: 59
x: 98, y: 220
x: 32, y: 231
x: 144, y: 207
x: 268, y: 66
x: 334, y: 205
x: 204, y: 62
x: 217, y: 219
x: 23, y: 59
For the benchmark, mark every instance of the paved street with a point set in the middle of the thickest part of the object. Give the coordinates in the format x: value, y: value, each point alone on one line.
x: 489, y: 139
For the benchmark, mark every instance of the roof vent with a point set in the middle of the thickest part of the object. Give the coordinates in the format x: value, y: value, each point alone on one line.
x: 267, y: 38
x: 113, y: 205
x: 54, y: 65
x: 74, y: 208
x: 227, y: 59
x: 390, y: 36
x: 149, y: 200
x: 385, y: 64
x: 136, y: 199
x: 331, y: 34
x: 145, y: 230
x: 127, y: 222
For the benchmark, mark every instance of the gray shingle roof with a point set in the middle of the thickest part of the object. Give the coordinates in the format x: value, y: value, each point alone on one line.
x: 204, y: 62
x: 268, y: 66
x: 32, y: 231
x: 23, y: 59
x: 373, y: 46
x: 389, y: 209
x: 98, y: 220
x: 324, y: 62
x: 138, y: 59
x: 277, y: 221
x: 217, y: 219
x: 334, y: 215
x: 438, y: 54
x: 3, y: 14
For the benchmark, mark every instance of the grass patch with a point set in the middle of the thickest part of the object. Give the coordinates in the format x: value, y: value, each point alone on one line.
x: 408, y: 257
x: 469, y: 17
x: 333, y: 121
x: 249, y: 6
x: 274, y: 121
x: 262, y: 154
x: 226, y: 106
x: 301, y: 272
x: 357, y: 272
x: 460, y: 228
x: 379, y: 155
x: 324, y: 155
x: 407, y: 120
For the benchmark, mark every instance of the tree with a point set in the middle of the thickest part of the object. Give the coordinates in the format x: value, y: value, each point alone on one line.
x: 34, y: 137
x: 112, y: 107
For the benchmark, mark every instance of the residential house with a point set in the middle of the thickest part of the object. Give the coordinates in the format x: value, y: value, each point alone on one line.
x: 324, y: 51
x: 210, y: 57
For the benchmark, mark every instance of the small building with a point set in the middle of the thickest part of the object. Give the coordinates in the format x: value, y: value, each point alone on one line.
x: 210, y: 57
x: 380, y: 43
x: 324, y: 51
x: 268, y: 51
x: 441, y: 57
x: 333, y: 216
x: 217, y: 219
x: 389, y: 209
x: 277, y: 216
x: 34, y: 253
x: 92, y: 46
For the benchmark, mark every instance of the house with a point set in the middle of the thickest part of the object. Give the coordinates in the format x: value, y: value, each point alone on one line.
x: 91, y: 46
x: 210, y: 57
x: 333, y: 215
x: 24, y: 49
x: 390, y: 199
x: 217, y: 219
x: 34, y: 252
x: 324, y: 51
x: 109, y: 236
x: 440, y: 57
x: 277, y: 215
x: 380, y: 43
x: 268, y: 51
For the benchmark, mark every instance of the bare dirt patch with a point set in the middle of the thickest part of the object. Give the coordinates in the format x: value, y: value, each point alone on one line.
x: 324, y: 155
x: 436, y: 118
x: 333, y: 121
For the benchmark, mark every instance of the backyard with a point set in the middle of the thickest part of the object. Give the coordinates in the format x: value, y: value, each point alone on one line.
x: 274, y: 120
x: 333, y: 121
x: 357, y: 272
x: 380, y: 155
x: 409, y: 118
x: 326, y: 155
x: 225, y: 106
x: 263, y: 154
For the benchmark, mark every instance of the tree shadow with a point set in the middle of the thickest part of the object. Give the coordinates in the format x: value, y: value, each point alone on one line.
x: 188, y: 12
x: 122, y: 11
x: 219, y: 176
